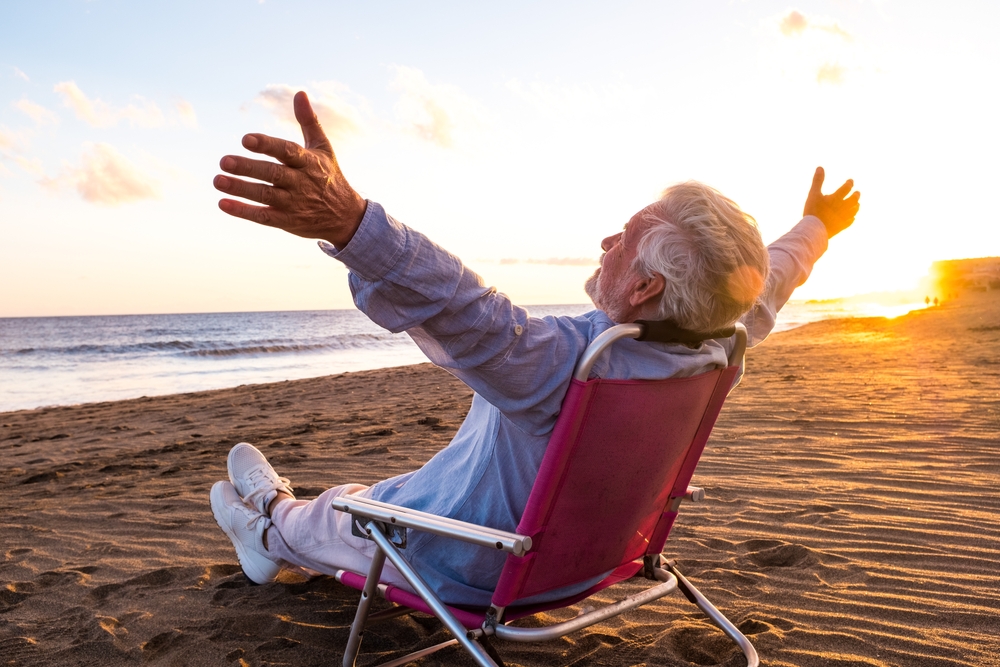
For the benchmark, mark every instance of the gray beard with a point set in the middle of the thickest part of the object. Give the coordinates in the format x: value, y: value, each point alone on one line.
x: 590, y: 287
x: 613, y: 305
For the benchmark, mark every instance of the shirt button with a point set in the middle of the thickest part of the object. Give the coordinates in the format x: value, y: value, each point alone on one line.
x: 518, y: 329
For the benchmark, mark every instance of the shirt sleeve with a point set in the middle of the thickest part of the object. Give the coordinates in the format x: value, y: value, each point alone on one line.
x: 792, y: 258
x: 405, y: 282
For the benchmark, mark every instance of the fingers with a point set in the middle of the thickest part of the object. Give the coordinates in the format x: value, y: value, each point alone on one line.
x: 258, y: 192
x: 817, y: 184
x: 842, y: 191
x: 286, y: 152
x: 260, y: 214
x: 262, y: 170
x: 312, y: 132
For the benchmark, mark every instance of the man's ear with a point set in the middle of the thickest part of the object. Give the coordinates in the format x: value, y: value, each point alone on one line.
x: 647, y: 290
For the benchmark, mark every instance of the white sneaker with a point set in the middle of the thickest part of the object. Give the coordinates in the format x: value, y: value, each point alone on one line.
x: 245, y: 526
x: 254, y: 478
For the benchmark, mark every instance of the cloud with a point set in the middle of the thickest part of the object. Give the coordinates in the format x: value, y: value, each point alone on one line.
x: 148, y: 115
x: 815, y: 48
x: 830, y: 73
x: 433, y: 112
x: 13, y: 146
x: 186, y: 113
x: 31, y: 165
x: 97, y: 113
x: 835, y: 29
x: 19, y: 74
x: 795, y: 23
x: 8, y: 140
x: 105, y: 177
x: 338, y: 117
x: 554, y: 261
x: 36, y: 112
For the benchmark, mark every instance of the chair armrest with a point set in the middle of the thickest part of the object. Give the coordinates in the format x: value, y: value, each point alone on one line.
x: 431, y: 523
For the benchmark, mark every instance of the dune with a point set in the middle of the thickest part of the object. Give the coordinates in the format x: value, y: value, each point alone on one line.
x: 852, y: 488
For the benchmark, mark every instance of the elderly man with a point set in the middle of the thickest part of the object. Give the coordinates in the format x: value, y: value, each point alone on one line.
x: 692, y: 257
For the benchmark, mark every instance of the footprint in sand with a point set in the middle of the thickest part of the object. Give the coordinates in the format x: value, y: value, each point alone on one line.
x: 154, y: 579
x: 163, y: 643
x: 757, y: 627
x: 701, y: 644
x: 42, y: 477
x: 784, y: 555
x: 15, y: 555
x: 61, y: 578
x: 14, y: 594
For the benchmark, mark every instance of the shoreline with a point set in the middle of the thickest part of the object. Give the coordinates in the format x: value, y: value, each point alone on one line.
x: 849, y: 519
x: 780, y: 329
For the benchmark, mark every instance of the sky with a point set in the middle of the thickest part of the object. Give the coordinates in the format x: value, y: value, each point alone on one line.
x: 517, y: 135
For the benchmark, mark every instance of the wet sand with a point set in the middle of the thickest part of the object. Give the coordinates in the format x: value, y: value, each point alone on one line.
x: 851, y: 516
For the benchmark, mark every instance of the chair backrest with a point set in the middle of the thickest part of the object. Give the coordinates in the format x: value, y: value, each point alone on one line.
x: 621, y: 453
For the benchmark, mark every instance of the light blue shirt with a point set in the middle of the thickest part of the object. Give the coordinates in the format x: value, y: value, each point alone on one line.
x: 519, y: 368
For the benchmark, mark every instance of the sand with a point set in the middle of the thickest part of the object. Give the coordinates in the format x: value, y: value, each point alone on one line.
x: 850, y: 520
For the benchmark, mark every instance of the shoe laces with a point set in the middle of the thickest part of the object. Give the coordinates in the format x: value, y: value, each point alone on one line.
x: 264, y: 477
x: 256, y: 519
x: 263, y: 480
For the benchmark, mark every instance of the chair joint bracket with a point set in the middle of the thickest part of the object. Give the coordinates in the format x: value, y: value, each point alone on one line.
x: 395, y: 534
x: 650, y: 563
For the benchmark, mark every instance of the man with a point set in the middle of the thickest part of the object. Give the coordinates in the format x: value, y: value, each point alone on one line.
x: 692, y: 257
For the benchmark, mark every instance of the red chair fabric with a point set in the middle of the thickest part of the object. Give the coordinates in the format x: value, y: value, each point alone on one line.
x: 620, y: 451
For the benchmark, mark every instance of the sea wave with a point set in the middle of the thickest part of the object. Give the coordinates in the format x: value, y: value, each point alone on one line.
x: 191, y: 348
x: 357, y: 341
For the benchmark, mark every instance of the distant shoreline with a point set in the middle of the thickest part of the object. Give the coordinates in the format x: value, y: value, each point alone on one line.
x: 74, y: 361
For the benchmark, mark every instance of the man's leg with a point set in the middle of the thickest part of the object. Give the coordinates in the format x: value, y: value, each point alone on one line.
x: 313, y: 535
x: 309, y: 534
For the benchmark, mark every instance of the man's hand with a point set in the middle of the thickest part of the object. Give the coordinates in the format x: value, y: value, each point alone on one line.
x: 836, y: 210
x: 308, y: 194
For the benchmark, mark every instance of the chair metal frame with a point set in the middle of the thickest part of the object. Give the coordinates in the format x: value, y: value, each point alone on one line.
x: 387, y: 524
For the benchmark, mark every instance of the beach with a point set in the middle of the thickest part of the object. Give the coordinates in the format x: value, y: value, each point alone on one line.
x: 850, y: 518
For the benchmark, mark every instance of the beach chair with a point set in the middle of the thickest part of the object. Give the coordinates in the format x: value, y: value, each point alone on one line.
x: 588, y: 513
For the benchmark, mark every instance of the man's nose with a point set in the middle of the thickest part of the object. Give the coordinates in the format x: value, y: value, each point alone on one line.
x: 608, y: 243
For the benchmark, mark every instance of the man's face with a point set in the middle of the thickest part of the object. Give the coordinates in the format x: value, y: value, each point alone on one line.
x: 611, y: 285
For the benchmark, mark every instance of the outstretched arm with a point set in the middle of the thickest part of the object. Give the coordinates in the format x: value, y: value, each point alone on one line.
x: 795, y: 253
x: 307, y: 194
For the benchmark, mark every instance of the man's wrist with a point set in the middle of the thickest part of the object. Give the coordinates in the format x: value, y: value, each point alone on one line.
x: 340, y: 235
x: 375, y: 247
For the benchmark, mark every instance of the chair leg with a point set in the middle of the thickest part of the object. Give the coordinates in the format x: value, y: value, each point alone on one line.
x: 716, y: 616
x: 416, y: 655
x: 361, y: 617
x: 466, y: 638
x: 387, y: 614
x: 491, y: 651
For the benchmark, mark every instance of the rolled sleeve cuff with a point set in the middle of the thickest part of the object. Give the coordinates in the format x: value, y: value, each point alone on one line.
x: 375, y: 247
x: 814, y: 230
x: 813, y: 233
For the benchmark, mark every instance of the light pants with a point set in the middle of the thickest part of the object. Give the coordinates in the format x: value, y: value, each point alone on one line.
x: 313, y: 535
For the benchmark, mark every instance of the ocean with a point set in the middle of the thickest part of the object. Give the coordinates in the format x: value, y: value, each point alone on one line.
x: 48, y: 361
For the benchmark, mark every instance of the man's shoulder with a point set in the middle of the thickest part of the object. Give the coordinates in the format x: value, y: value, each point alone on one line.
x: 591, y: 323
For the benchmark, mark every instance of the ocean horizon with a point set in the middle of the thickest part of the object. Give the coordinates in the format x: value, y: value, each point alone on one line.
x: 48, y: 361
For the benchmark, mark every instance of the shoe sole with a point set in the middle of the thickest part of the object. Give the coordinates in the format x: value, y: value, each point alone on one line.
x: 241, y: 554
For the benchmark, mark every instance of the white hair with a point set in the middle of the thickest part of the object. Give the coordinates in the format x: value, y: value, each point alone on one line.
x: 709, y: 252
